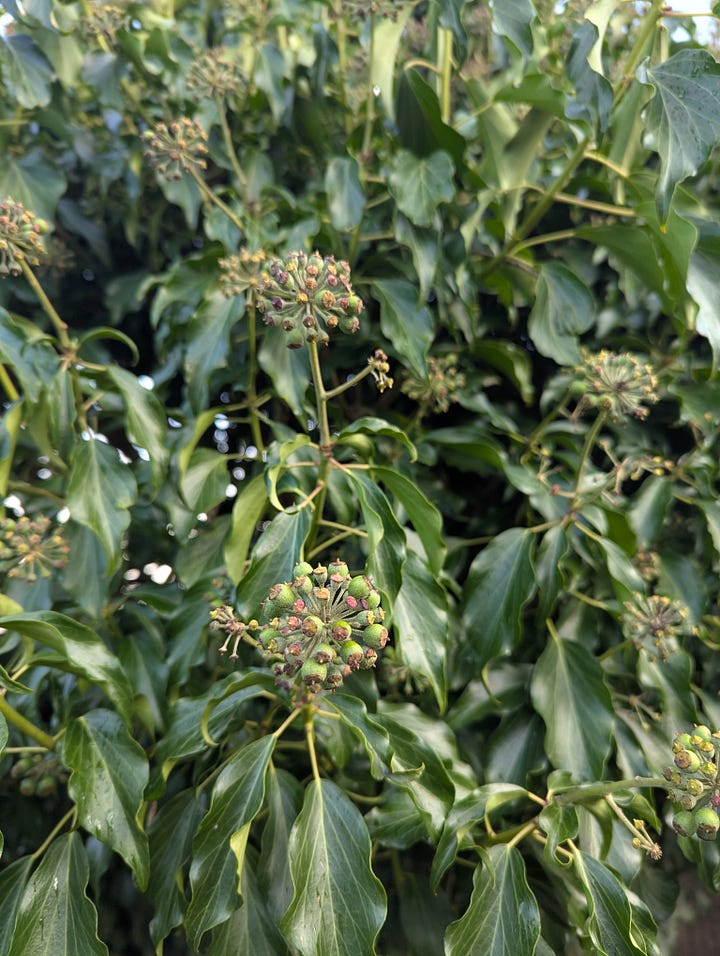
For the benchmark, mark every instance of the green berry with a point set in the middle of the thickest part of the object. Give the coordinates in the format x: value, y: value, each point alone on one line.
x: 702, y: 731
x: 707, y: 822
x: 312, y: 626
x: 282, y: 595
x: 684, y: 823
x: 687, y: 760
x: 369, y: 658
x: 359, y: 587
x: 313, y: 675
x: 45, y: 786
x: 27, y: 786
x: 324, y: 654
x: 342, y: 631
x: 351, y: 653
x: 373, y: 599
x: 687, y: 801
x: 681, y: 742
x: 375, y: 635
x: 21, y: 768
x: 301, y: 569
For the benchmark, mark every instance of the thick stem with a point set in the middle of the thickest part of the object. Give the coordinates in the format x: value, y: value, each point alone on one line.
x: 24, y: 725
x: 596, y: 791
x: 8, y: 384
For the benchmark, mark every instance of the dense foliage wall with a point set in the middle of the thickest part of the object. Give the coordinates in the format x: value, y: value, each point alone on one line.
x: 359, y: 457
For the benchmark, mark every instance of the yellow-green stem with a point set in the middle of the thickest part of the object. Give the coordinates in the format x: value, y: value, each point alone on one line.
x: 214, y: 198
x: 310, y: 737
x: 24, y: 725
x: 229, y: 147
x: 639, y: 50
x: 48, y: 307
x: 252, y: 373
x: 590, y: 441
x: 593, y: 791
x: 59, y: 826
x: 446, y: 47
x: 8, y: 384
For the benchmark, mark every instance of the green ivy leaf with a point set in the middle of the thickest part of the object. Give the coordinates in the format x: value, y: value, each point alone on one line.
x: 209, y: 343
x: 490, y: 925
x: 289, y: 369
x: 570, y: 695
x: 558, y: 823
x: 247, y: 511
x: 145, y: 419
x: 421, y: 127
x: 684, y: 114
x: 500, y: 582
x: 205, y: 482
x: 609, y: 923
x: 29, y: 353
x: 9, y: 431
x: 100, y: 491
x: 593, y: 94
x: 405, y: 323
x: 385, y: 536
x: 367, y: 425
x: 25, y: 71
x: 329, y: 854
x: 345, y: 196
x: 563, y: 310
x: 512, y: 19
x: 702, y: 278
x: 4, y: 733
x: 420, y: 183
x: 170, y: 838
x: 425, y: 517
x: 109, y: 775
x: 81, y: 650
x: 15, y: 687
x: 13, y: 879
x: 397, y: 823
x: 420, y: 620
x: 219, y: 846
x: 55, y: 914
x: 284, y: 802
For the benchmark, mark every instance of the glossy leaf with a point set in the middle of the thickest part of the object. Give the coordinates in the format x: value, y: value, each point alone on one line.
x: 346, y: 199
x: 386, y: 537
x: 593, y: 93
x: 563, y: 310
x: 610, y: 917
x: 13, y: 879
x: 55, y: 914
x: 490, y: 924
x: 247, y: 510
x: 146, y: 422
x: 81, y: 650
x: 219, y: 845
x: 3, y: 733
x: 424, y: 515
x: 499, y: 584
x: 25, y: 70
x: 329, y: 854
x: 405, y: 323
x: 284, y: 802
x: 512, y: 18
x: 100, y: 491
x: 570, y: 695
x: 109, y: 775
x: 685, y: 112
x: 368, y: 425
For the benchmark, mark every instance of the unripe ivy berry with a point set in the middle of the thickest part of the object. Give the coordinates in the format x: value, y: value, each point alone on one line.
x: 372, y: 601
x: 339, y: 568
x: 369, y: 658
x: 320, y: 574
x: 45, y: 786
x: 684, y: 823
x: 313, y: 674
x: 303, y: 584
x: 324, y: 654
x: 703, y: 732
x: 301, y: 569
x: 342, y: 632
x: 281, y: 595
x: 27, y: 786
x: 694, y: 787
x: 707, y: 822
x: 681, y: 742
x: 375, y: 635
x: 359, y: 587
x: 687, y: 760
x: 351, y: 653
x: 21, y: 768
x: 687, y: 801
x: 336, y: 674
x: 312, y: 626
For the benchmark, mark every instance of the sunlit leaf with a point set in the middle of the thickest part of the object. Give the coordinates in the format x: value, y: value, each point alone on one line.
x: 421, y: 183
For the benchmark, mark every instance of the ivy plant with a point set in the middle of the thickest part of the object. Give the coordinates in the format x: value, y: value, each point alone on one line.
x: 358, y: 464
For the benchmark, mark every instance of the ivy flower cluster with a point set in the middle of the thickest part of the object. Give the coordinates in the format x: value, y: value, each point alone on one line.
x: 30, y: 548
x: 320, y: 627
x: 651, y: 623
x: 242, y: 272
x: 176, y: 149
x: 441, y: 386
x: 619, y: 384
x: 695, y: 780
x: 216, y: 73
x: 21, y: 237
x: 307, y: 295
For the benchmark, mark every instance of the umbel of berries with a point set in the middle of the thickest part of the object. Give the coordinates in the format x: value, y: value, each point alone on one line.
x: 320, y: 627
x: 307, y: 295
x: 21, y: 237
x: 695, y: 780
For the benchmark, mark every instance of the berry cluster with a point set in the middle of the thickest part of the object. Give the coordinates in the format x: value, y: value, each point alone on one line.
x: 216, y: 73
x: 439, y: 389
x: 320, y: 627
x: 306, y: 295
x: 652, y: 623
x: 21, y: 237
x: 242, y: 272
x: 177, y: 148
x: 38, y: 776
x: 696, y: 783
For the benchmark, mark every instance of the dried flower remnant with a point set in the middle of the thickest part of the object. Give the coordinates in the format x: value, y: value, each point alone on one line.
x: 102, y: 22
x: 30, y: 549
x: 216, y: 73
x: 619, y: 384
x: 380, y: 370
x: 21, y: 237
x: 307, y: 295
x: 652, y: 623
x: 177, y: 148
x: 439, y: 389
x: 242, y: 272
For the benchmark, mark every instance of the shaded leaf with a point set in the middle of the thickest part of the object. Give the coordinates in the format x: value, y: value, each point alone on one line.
x: 25, y: 71
x: 512, y: 19
x: 492, y: 924
x: 421, y: 127
x: 345, y: 197
x: 81, y: 650
x: 109, y: 775
x: 145, y: 420
x: 386, y: 537
x: 284, y: 802
x: 55, y: 915
x: 593, y: 93
x: 562, y: 311
x: 420, y: 183
x: 499, y: 584
x: 329, y: 854
x: 570, y: 695
x: 609, y: 921
x: 251, y: 928
x: 368, y: 425
x: 13, y: 879
x: 204, y: 484
x: 425, y: 517
x: 219, y: 845
x: 405, y: 323
x: 247, y: 511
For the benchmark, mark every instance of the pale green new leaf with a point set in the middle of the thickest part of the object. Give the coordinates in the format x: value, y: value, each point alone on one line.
x: 219, y: 845
x: 609, y: 922
x: 55, y: 917
x: 81, y: 650
x: 420, y: 183
x: 563, y: 310
x: 684, y: 116
x: 570, y: 695
x: 500, y: 582
x: 339, y: 904
x: 109, y: 775
x: 100, y: 491
x: 503, y: 918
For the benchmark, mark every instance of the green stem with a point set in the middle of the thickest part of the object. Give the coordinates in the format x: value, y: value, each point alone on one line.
x: 8, y: 384
x: 24, y: 725
x: 212, y: 197
x: 350, y: 383
x: 229, y: 147
x: 592, y: 791
x: 48, y: 307
x: 342, y: 71
x: 252, y: 374
x: 446, y: 46
x: 325, y: 443
x: 60, y: 825
x: 639, y: 50
x: 587, y: 449
x: 310, y: 737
